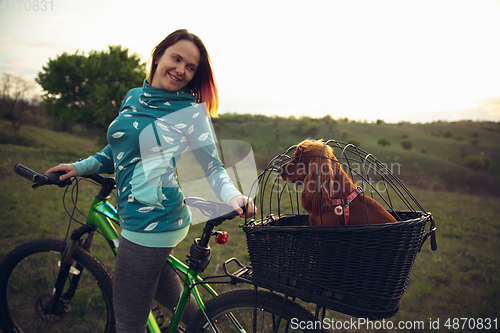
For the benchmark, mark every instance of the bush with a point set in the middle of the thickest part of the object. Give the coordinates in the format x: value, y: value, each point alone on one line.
x: 468, y: 180
x: 383, y: 142
x: 76, y: 129
x: 406, y: 143
x: 447, y: 133
x: 354, y: 142
x: 477, y: 162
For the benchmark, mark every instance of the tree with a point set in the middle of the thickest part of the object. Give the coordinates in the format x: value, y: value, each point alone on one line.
x: 89, y: 89
x: 329, y: 121
x: 15, y: 105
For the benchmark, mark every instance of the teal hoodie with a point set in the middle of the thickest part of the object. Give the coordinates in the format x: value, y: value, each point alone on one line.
x: 153, y: 129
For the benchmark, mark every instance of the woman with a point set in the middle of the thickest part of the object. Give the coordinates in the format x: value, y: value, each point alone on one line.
x: 156, y: 124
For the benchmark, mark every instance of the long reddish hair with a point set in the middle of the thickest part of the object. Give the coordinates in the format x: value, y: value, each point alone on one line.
x: 202, y: 86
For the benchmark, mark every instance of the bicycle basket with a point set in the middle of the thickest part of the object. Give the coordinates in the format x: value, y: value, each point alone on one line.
x: 359, y: 270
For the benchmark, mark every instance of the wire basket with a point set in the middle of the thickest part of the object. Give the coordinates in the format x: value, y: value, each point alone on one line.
x: 359, y: 270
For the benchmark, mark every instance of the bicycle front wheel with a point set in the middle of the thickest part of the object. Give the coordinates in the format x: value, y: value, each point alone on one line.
x: 27, y: 279
x: 273, y: 314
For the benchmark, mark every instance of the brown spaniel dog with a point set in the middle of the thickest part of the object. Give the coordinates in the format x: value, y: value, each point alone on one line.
x: 330, y: 200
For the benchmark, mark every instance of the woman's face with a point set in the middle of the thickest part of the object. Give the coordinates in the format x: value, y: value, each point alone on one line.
x: 177, y: 66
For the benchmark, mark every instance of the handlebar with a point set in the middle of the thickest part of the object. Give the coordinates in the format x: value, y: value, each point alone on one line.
x: 216, y: 211
x: 200, y: 252
x: 108, y: 184
x: 39, y: 179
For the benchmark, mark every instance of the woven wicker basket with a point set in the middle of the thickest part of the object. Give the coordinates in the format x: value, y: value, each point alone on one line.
x: 359, y: 270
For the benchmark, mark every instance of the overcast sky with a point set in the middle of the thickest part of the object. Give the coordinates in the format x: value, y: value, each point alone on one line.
x: 412, y: 60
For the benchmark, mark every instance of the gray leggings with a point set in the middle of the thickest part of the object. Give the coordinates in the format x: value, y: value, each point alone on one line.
x: 141, y: 274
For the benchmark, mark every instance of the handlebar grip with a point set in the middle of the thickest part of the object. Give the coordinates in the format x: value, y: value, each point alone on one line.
x: 244, y: 208
x: 216, y: 210
x: 39, y: 179
x: 53, y: 177
x: 232, y: 214
x: 25, y: 172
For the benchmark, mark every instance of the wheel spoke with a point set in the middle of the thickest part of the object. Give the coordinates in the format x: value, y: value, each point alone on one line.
x: 270, y: 314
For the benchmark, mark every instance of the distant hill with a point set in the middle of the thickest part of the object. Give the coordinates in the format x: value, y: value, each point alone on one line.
x: 462, y: 156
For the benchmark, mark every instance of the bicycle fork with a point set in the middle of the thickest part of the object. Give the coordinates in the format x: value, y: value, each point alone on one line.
x: 199, y: 259
x: 59, y: 303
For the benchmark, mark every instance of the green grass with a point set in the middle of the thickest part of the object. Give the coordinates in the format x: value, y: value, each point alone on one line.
x: 461, y: 279
x: 28, y: 213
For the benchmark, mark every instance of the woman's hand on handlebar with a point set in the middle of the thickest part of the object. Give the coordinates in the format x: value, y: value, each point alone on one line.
x: 70, y: 170
x: 242, y: 201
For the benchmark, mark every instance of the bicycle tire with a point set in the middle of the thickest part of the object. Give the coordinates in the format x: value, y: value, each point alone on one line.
x: 27, y: 279
x: 241, y: 304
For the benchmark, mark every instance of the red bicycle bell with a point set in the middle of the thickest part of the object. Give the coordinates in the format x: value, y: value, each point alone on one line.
x: 221, y: 237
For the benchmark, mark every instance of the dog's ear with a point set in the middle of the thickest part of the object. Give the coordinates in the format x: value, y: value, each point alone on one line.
x: 318, y: 185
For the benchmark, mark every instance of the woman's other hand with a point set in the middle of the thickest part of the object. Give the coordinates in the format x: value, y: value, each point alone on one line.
x: 242, y: 201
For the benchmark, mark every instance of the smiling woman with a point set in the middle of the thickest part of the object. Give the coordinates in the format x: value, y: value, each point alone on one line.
x: 156, y: 124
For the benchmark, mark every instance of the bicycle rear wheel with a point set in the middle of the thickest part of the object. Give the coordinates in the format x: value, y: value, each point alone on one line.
x: 240, y: 303
x: 27, y: 278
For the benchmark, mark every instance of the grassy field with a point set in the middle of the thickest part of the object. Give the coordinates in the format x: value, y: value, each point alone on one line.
x: 460, y: 280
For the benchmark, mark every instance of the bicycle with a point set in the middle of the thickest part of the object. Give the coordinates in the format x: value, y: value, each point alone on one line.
x: 50, y: 285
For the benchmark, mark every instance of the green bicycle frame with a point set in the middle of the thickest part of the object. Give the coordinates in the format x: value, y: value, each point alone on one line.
x: 101, y: 215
